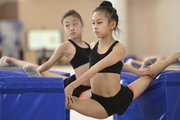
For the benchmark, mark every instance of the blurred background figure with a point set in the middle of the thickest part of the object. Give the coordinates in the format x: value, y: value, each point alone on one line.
x: 10, y: 38
x: 43, y: 57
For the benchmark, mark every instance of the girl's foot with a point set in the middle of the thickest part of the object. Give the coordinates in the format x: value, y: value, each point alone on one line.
x: 31, y: 71
x: 148, y: 61
x: 3, y: 61
x: 178, y: 52
x: 129, y: 61
x: 175, y: 57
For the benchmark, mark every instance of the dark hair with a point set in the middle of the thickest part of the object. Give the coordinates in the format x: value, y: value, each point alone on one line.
x: 110, y: 12
x: 73, y: 13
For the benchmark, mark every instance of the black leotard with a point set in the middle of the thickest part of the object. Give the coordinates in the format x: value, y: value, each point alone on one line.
x: 96, y: 57
x: 81, y: 56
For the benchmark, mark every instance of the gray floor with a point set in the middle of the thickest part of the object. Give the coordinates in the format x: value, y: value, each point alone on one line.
x: 73, y: 114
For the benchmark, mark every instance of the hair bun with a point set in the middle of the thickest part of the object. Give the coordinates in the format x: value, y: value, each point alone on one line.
x: 106, y: 4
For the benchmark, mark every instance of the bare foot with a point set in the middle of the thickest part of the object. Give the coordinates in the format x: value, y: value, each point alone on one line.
x: 175, y: 56
x: 3, y: 62
x: 129, y: 61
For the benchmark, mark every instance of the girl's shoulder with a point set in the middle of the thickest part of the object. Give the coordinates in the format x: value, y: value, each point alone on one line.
x: 119, y: 44
x: 92, y: 44
x: 120, y: 47
x: 64, y: 45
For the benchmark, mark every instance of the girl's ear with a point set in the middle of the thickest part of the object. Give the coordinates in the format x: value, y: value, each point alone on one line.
x: 113, y: 24
x: 82, y: 24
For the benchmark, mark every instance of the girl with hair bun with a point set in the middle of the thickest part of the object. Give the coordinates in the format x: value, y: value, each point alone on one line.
x: 74, y: 49
x: 106, y: 62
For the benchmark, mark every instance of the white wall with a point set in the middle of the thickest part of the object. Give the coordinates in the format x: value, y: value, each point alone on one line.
x: 151, y: 27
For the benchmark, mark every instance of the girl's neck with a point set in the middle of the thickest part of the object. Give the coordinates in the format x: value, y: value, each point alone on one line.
x: 77, y: 40
x: 107, y: 40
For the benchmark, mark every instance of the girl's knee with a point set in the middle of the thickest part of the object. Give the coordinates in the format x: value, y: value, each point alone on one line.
x: 68, y: 106
x: 70, y: 102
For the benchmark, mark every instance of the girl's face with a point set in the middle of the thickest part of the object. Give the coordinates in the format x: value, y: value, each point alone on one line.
x: 101, y: 25
x: 73, y: 27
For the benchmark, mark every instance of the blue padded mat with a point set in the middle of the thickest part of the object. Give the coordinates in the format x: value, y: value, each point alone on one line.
x: 31, y: 98
x: 161, y: 100
x: 28, y: 98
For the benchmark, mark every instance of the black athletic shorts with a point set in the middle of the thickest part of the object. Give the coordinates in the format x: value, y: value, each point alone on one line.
x: 116, y: 104
x: 77, y: 91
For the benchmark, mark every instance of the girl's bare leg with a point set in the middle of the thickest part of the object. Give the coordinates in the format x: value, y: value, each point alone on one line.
x: 9, y: 61
x: 32, y: 71
x: 131, y: 62
x: 141, y: 84
x: 49, y: 74
x: 87, y: 107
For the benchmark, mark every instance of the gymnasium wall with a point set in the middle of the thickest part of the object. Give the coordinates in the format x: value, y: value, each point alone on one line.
x: 37, y: 14
x: 149, y: 27
x: 153, y: 27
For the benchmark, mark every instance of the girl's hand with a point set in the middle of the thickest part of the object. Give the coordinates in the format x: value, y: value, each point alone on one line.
x: 68, y: 94
x: 147, y: 71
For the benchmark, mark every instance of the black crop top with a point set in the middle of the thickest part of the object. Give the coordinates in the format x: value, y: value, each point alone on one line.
x: 96, y: 57
x: 81, y: 56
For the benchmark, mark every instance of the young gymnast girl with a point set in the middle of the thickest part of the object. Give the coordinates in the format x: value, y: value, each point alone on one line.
x: 106, y: 61
x: 75, y: 50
